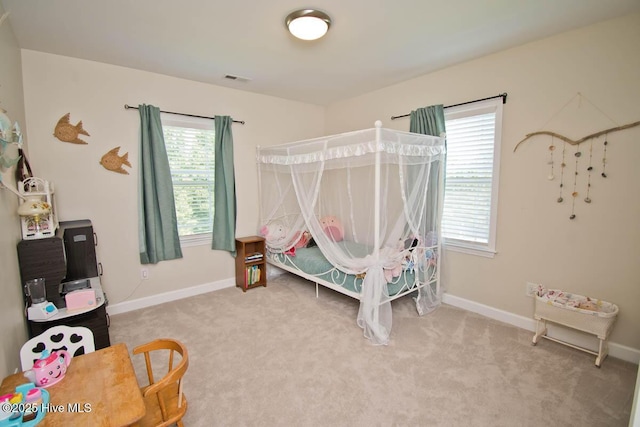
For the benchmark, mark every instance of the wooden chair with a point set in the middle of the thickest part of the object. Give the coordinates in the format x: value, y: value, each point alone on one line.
x: 163, y: 398
x: 76, y: 340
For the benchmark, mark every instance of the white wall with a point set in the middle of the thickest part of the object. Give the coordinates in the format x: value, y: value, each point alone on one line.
x: 596, y: 254
x: 13, y: 330
x: 96, y: 94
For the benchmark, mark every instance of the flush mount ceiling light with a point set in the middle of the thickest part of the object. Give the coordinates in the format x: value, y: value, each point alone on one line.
x: 308, y: 24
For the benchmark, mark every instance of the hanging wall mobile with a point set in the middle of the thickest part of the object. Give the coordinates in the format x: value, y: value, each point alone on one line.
x: 569, y: 172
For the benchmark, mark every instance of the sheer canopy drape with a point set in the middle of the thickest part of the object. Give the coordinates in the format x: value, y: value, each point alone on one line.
x: 157, y: 223
x: 363, y: 197
x: 224, y: 215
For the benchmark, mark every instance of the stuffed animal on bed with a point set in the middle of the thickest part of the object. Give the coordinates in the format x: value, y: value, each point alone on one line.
x: 332, y: 227
x: 411, y: 242
x: 390, y: 273
x: 302, y: 239
x: 274, y: 232
x: 398, y: 266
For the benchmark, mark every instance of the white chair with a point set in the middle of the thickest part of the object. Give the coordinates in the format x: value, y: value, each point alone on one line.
x: 76, y: 340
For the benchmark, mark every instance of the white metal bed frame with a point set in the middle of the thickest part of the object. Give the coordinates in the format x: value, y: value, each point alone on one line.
x: 376, y: 240
x: 276, y: 259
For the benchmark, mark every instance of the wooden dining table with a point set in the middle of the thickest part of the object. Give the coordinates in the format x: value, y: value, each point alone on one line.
x: 99, y: 389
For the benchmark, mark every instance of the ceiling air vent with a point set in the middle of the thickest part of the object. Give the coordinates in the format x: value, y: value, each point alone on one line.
x: 236, y: 78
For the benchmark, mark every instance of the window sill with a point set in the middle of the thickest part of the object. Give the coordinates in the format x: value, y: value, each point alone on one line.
x: 195, y: 240
x: 457, y: 247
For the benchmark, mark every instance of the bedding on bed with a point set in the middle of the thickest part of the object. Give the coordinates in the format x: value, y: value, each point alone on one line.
x: 310, y: 260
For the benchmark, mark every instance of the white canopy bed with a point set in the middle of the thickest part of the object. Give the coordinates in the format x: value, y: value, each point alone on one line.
x: 359, y: 213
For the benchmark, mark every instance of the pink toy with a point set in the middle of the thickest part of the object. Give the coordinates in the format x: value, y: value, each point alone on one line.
x: 332, y: 227
x: 49, y: 369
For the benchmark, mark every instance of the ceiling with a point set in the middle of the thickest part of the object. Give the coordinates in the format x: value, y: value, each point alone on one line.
x: 370, y: 45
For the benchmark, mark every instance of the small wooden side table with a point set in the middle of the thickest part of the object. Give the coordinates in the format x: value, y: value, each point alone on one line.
x: 251, y: 262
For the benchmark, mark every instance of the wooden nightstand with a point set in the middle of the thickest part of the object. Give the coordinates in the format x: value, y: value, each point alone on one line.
x: 251, y: 262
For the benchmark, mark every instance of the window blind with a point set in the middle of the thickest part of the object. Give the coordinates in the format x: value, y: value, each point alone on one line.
x: 469, y: 178
x: 191, y: 158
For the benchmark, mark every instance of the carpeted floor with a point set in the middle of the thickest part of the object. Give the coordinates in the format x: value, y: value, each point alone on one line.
x: 277, y: 356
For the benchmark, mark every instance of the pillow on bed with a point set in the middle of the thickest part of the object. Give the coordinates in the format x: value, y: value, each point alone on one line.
x: 332, y: 227
x: 274, y: 232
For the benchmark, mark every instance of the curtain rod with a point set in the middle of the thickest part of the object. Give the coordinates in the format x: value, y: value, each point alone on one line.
x: 127, y: 106
x: 502, y: 95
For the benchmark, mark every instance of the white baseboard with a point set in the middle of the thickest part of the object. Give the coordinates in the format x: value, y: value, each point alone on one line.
x: 123, y: 307
x: 569, y: 335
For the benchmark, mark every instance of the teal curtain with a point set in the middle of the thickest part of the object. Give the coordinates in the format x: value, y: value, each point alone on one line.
x: 428, y: 120
x: 157, y: 223
x: 224, y: 215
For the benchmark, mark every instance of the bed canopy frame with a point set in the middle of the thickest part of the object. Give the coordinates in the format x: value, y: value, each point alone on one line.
x: 359, y: 213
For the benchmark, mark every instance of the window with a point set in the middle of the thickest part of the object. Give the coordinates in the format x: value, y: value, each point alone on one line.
x: 190, y: 149
x: 471, y: 186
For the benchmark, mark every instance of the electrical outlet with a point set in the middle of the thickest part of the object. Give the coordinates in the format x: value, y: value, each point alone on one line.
x: 530, y: 289
x: 144, y: 273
